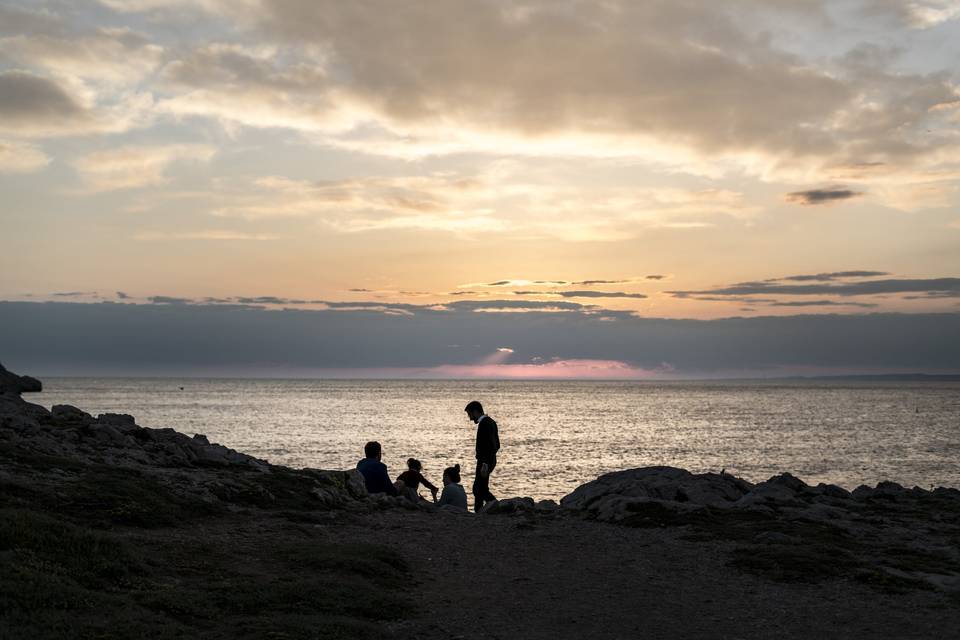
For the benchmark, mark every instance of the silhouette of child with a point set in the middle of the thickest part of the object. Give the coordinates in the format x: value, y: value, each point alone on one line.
x: 412, y: 478
x: 453, y: 493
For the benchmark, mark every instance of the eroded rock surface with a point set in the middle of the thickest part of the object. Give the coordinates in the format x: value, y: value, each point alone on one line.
x: 64, y: 450
x: 887, y: 535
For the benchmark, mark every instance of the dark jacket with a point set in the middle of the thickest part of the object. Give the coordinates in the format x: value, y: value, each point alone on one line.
x: 376, y: 477
x: 488, y: 440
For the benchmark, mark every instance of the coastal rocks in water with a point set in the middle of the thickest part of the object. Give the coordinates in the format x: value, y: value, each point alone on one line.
x: 13, y: 384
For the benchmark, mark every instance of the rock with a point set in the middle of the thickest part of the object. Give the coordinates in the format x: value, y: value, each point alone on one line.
x: 775, y: 537
x: 661, y: 483
x: 789, y: 481
x: 832, y: 491
x: 888, y: 490
x: 355, y: 484
x: 107, y: 434
x: 200, y: 438
x: 546, y: 506
x: 508, y: 505
x: 30, y: 385
x: 68, y: 413
x: 13, y: 384
x: 772, y: 493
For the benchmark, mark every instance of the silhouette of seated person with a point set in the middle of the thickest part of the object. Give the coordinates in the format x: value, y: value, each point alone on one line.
x: 412, y: 478
x: 453, y: 494
x: 374, y: 472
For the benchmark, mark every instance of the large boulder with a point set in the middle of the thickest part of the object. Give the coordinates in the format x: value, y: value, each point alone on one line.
x: 665, y: 484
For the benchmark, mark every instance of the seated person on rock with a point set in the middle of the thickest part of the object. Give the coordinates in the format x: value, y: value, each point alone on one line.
x: 374, y: 472
x: 453, y: 494
x: 412, y: 478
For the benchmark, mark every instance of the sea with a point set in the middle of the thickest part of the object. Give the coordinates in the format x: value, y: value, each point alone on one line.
x: 556, y: 435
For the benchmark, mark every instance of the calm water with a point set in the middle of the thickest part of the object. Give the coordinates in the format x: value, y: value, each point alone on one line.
x: 557, y: 435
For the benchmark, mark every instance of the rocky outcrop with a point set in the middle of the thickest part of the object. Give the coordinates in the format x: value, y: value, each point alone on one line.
x: 11, y: 383
x: 612, y: 493
x: 66, y: 444
x: 787, y: 529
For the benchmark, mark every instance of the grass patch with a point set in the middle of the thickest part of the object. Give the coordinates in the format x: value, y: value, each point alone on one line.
x: 62, y: 579
x: 795, y: 563
x: 106, y: 496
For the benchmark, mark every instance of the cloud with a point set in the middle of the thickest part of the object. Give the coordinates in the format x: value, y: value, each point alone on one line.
x: 589, y: 283
x: 122, y: 296
x: 515, y: 305
x: 829, y: 277
x: 516, y: 282
x: 826, y: 195
x: 425, y: 67
x: 169, y: 300
x: 600, y: 294
x: 869, y: 287
x: 689, y: 86
x: 484, y: 201
x: 177, y: 339
x: 114, y: 58
x: 35, y: 104
x: 555, y: 369
x: 16, y: 157
x: 132, y: 167
x: 18, y: 20
x: 918, y: 14
x: 582, y: 294
x: 821, y: 303
x: 205, y: 234
x: 703, y: 88
x: 145, y: 6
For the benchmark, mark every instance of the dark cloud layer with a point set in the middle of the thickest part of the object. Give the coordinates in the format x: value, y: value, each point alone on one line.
x: 828, y: 277
x: 821, y: 303
x: 169, y: 300
x: 868, y: 287
x: 822, y: 196
x: 128, y: 338
x: 30, y: 100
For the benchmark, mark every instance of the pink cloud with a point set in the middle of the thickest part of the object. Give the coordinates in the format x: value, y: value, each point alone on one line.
x: 594, y: 369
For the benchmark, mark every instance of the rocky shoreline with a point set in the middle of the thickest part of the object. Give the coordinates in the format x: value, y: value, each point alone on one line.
x: 110, y: 529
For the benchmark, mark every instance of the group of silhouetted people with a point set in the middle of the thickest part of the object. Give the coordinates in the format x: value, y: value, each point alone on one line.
x: 408, y: 483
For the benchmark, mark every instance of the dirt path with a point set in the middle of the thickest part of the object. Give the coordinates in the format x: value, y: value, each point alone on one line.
x: 486, y: 577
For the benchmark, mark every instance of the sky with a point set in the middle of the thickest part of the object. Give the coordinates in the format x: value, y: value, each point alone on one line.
x: 484, y: 188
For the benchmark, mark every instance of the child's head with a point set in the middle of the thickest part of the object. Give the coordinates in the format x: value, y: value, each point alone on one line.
x: 451, y: 474
x: 414, y: 465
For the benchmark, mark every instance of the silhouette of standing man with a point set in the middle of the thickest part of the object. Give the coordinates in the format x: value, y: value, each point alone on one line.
x: 488, y: 443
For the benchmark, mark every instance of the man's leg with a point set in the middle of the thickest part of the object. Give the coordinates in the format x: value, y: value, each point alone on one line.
x: 481, y: 489
x: 488, y: 496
